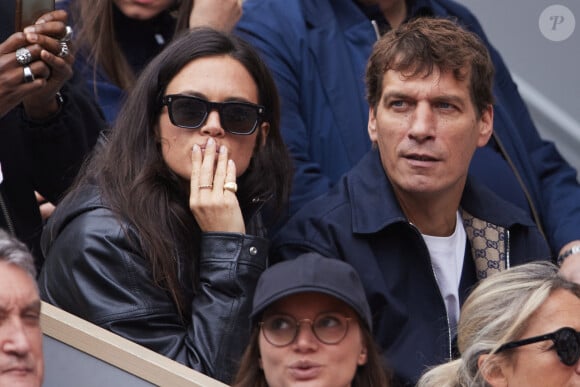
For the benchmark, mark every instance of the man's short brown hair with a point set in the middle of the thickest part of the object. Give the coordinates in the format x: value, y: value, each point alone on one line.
x: 418, y: 47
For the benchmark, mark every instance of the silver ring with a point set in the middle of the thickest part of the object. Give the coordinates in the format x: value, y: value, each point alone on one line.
x: 67, y: 35
x: 28, y: 76
x: 23, y: 56
x: 63, y: 49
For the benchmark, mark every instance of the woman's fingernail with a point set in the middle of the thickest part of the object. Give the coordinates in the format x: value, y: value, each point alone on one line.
x: 223, y: 149
x: 196, y: 148
x: 31, y: 37
x: 210, y: 141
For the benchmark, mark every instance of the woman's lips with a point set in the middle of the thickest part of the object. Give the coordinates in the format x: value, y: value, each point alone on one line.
x: 305, y: 370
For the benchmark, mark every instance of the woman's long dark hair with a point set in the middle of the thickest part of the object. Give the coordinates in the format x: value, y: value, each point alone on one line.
x: 139, y: 187
x: 96, y: 37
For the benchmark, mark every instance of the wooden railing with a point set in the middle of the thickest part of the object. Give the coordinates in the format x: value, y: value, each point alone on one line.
x: 79, y: 353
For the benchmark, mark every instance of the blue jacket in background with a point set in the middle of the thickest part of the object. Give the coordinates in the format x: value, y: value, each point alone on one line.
x: 140, y: 41
x: 360, y: 221
x: 317, y: 51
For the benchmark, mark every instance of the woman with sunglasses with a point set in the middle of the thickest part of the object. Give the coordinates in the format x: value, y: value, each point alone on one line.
x: 519, y: 327
x: 161, y: 240
x: 312, y: 326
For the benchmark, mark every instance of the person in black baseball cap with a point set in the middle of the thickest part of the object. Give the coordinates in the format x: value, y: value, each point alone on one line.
x: 312, y: 323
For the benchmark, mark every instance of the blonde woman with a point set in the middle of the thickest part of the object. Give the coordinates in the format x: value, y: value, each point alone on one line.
x: 519, y: 327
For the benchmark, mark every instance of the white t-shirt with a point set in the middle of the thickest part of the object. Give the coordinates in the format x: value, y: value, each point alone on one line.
x: 447, y: 255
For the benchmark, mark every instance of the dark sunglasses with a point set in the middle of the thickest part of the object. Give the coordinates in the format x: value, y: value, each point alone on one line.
x: 566, y: 343
x: 191, y: 112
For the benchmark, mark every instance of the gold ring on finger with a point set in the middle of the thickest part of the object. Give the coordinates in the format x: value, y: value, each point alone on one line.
x: 231, y: 186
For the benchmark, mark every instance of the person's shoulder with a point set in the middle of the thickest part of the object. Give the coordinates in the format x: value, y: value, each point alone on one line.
x: 453, y: 9
x: 79, y: 215
x: 484, y: 203
x: 275, y: 15
x: 84, y: 200
x: 271, y: 7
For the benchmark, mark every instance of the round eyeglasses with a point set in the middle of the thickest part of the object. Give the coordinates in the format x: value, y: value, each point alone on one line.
x: 281, y: 330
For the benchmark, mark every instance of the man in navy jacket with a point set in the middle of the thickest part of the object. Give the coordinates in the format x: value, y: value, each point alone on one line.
x: 317, y: 51
x: 419, y: 231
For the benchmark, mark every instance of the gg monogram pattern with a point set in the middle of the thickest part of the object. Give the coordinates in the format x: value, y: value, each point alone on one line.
x: 488, y: 245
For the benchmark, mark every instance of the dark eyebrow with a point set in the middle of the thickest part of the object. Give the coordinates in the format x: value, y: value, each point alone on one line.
x: 449, y: 98
x: 33, y: 306
x: 395, y: 95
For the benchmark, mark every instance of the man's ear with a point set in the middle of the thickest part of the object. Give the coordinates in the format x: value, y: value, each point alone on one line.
x: 485, y: 126
x: 492, y: 370
x: 372, y: 126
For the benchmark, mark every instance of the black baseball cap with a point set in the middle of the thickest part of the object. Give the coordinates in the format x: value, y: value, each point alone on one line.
x: 311, y: 272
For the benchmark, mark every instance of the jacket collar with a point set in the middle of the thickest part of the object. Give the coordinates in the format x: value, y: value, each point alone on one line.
x: 374, y: 204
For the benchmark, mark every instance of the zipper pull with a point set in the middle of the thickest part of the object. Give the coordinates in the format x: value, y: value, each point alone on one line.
x: 376, y: 28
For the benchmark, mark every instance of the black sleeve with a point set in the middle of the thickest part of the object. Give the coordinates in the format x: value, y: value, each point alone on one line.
x: 58, y: 146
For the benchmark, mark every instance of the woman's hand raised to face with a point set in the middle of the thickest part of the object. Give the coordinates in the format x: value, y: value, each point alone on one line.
x: 212, y: 199
x: 219, y: 14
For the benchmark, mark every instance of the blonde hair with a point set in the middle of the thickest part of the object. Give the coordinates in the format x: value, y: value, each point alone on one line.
x: 496, y: 312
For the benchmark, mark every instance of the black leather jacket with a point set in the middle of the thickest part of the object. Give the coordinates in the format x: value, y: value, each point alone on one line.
x: 91, y: 270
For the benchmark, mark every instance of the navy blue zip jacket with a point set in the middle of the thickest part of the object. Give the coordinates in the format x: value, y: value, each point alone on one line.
x: 360, y: 221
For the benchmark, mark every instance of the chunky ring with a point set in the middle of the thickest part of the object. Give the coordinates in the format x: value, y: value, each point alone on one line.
x: 28, y: 76
x: 63, y: 50
x: 67, y: 35
x: 231, y: 186
x: 23, y: 56
x: 206, y: 186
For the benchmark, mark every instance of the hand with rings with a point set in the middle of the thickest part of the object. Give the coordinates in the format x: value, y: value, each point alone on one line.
x: 49, y: 43
x: 213, y: 199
